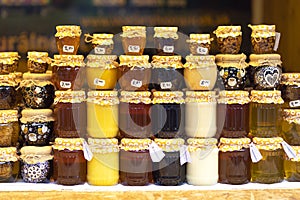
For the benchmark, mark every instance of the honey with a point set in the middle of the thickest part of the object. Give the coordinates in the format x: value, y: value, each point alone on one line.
x: 67, y: 39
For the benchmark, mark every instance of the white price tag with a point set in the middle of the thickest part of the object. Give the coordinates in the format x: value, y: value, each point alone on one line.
x: 65, y: 84
x: 202, y: 50
x: 288, y: 150
x: 277, y: 39
x: 99, y: 50
x: 88, y: 155
x: 165, y: 85
x: 155, y: 152
x: 99, y: 82
x: 68, y: 49
x: 204, y: 83
x: 184, y: 155
x: 254, y: 153
x: 295, y: 103
x: 134, y: 48
x: 136, y: 83
x: 168, y: 49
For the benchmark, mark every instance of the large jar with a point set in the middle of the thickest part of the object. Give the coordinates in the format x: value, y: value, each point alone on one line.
x: 234, y: 160
x: 290, y: 126
x: 102, y: 114
x: 68, y: 72
x: 133, y: 39
x: 69, y: 164
x: 37, y: 90
x: 290, y: 90
x: 168, y: 114
x: 265, y: 113
x: 165, y: 40
x: 8, y: 92
x: 200, y: 72
x: 38, y: 62
x: 135, y: 114
x: 37, y: 126
x: 102, y: 72
x: 203, y: 170
x: 200, y: 114
x: 233, y: 114
x: 167, y: 73
x: 35, y: 166
x: 199, y: 44
x: 229, y: 39
x: 9, y: 165
x: 103, y: 43
x: 265, y: 71
x: 9, y: 128
x: 169, y: 170
x: 9, y: 62
x: 135, y: 162
x: 292, y: 166
x: 67, y: 39
x: 270, y: 168
x: 103, y: 169
x: 70, y: 114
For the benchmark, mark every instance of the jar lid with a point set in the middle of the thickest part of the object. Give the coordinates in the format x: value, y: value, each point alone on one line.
x: 7, y: 116
x: 8, y: 154
x: 135, y: 61
x: 103, y: 93
x: 199, y: 38
x: 100, y: 38
x: 8, y: 80
x: 168, y: 97
x: 133, y: 28
x: 69, y: 96
x: 103, y: 36
x: 234, y: 97
x: 103, y: 145
x: 68, y: 60
x: 135, y: 144
x: 290, y: 79
x: 233, y: 144
x: 166, y: 32
x: 133, y: 31
x: 9, y: 55
x: 135, y: 97
x: 232, y: 60
x: 36, y: 54
x: 262, y: 30
x: 273, y: 96
x: 268, y: 143
x: 36, y: 76
x: 194, y: 62
x: 169, y: 145
x: 226, y: 31
x: 257, y: 60
x: 36, y: 115
x: 33, y: 154
x: 103, y: 97
x: 202, y: 141
x: 68, y: 143
x: 68, y: 31
x: 102, y: 61
x: 200, y: 96
x: 166, y: 62
x: 297, y: 151
x: 291, y: 115
x: 166, y: 29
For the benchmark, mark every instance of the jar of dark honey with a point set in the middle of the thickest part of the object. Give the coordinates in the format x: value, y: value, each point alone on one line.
x: 9, y: 128
x: 290, y: 90
x: 67, y: 39
x: 165, y: 40
x: 8, y: 92
x: 38, y: 62
x: 9, y: 62
x: 103, y: 43
x: 9, y: 165
x: 290, y: 126
x: 229, y: 39
x: 134, y: 39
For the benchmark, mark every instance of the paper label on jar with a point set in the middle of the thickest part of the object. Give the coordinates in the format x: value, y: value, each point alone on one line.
x: 184, y: 155
x: 288, y: 150
x: 88, y: 154
x: 136, y: 83
x: 204, y: 83
x: 134, y: 48
x: 295, y: 103
x: 165, y: 85
x: 99, y: 50
x: 68, y: 49
x: 202, y: 50
x: 277, y: 39
x: 65, y: 84
x: 156, y: 153
x: 168, y: 49
x: 99, y: 82
x: 254, y: 153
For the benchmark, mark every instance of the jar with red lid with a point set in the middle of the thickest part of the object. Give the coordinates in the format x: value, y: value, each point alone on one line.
x: 67, y: 39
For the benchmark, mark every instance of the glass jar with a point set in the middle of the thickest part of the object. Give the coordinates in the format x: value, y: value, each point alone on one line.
x: 200, y: 114
x: 103, y: 43
x: 103, y: 169
x: 35, y: 166
x: 134, y: 115
x: 9, y: 128
x: 265, y: 113
x: 200, y: 72
x: 203, y: 170
x: 102, y: 114
x: 70, y: 114
x: 270, y: 168
x: 37, y: 90
x: 38, y: 62
x: 68, y: 72
x: 135, y: 162
x: 168, y: 114
x: 232, y: 70
x: 233, y: 114
x: 9, y: 165
x: 169, y: 170
x: 9, y: 62
x: 135, y: 72
x: 234, y: 161
x: 199, y: 44
x: 18, y: 77
x: 290, y: 126
x: 37, y: 126
x: 134, y: 39
x: 290, y: 90
x: 102, y: 72
x: 263, y: 38
x: 229, y: 39
x: 165, y: 40
x: 8, y: 92
x: 292, y: 166
x: 167, y: 73
x: 68, y: 39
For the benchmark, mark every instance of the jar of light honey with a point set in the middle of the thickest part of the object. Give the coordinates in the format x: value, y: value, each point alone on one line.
x: 290, y: 126
x: 68, y: 39
x: 9, y: 128
x: 199, y: 44
x: 103, y: 43
x: 134, y: 39
x: 9, y: 165
x: 292, y: 166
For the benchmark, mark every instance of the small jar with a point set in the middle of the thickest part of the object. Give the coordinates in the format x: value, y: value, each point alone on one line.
x: 38, y: 62
x: 70, y: 114
x: 169, y: 170
x: 168, y: 114
x: 35, y: 166
x: 199, y: 44
x: 102, y: 114
x: 134, y: 115
x: 200, y: 72
x: 102, y: 72
x: 103, y: 43
x: 263, y: 38
x: 165, y: 40
x: 135, y: 72
x: 290, y: 90
x: 103, y: 169
x: 37, y: 126
x: 68, y: 72
x: 292, y: 166
x: 266, y: 71
x: 200, y: 114
x: 134, y: 39
x: 135, y: 162
x: 8, y: 92
x: 203, y: 170
x: 69, y: 164
x: 265, y: 113
x: 37, y: 90
x: 290, y: 126
x: 167, y: 73
x: 232, y: 70
x: 270, y: 168
x: 9, y: 165
x: 229, y: 39
x: 233, y: 114
x: 9, y: 62
x: 9, y: 128
x: 234, y: 161
x: 68, y: 39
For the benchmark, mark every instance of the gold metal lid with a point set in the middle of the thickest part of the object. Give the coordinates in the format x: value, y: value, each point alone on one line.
x: 7, y: 116
x: 135, y: 61
x: 169, y: 145
x: 136, y: 97
x: 232, y: 60
x: 71, y: 144
x: 234, y: 97
x: 273, y: 96
x: 226, y: 31
x: 8, y: 154
x: 168, y: 97
x: 194, y: 62
x: 102, y: 61
x: 200, y: 96
x: 135, y: 144
x: 167, y: 62
x: 36, y: 115
x: 103, y: 97
x: 257, y: 60
x: 166, y: 32
x: 103, y: 146
x: 68, y: 31
x: 263, y: 30
x: 290, y: 79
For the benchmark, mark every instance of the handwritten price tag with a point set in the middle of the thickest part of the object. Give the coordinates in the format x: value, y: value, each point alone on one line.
x: 68, y: 49
x: 65, y: 84
x: 202, y: 50
x: 134, y: 48
x: 136, y: 83
x: 99, y: 82
x: 168, y: 49
x: 165, y: 85
x: 99, y: 50
x: 295, y: 103
x: 204, y: 83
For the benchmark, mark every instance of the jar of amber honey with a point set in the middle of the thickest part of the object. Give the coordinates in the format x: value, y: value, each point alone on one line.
x: 8, y: 92
x: 68, y: 39
x: 292, y: 166
x: 103, y: 43
x: 38, y: 62
x: 165, y: 40
x: 229, y: 39
x: 290, y: 90
x: 9, y: 62
x: 290, y: 126
x: 9, y: 128
x: 9, y: 165
x: 135, y: 162
x: 103, y: 169
x: 102, y: 114
x: 199, y: 44
x: 134, y: 39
